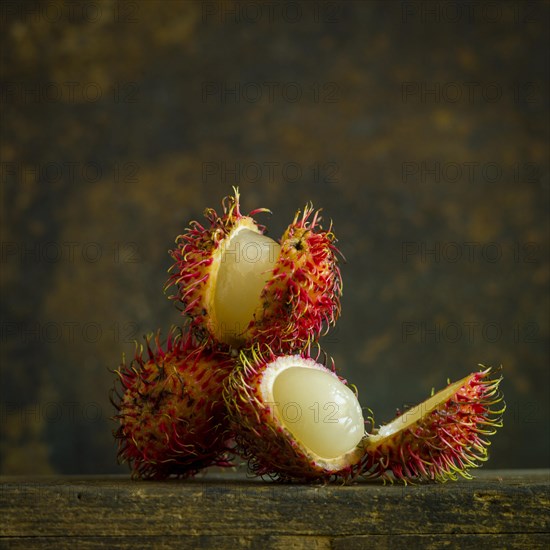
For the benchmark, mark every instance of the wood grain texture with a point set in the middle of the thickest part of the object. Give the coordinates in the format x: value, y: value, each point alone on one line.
x: 164, y: 542
x: 530, y: 541
x: 498, y: 509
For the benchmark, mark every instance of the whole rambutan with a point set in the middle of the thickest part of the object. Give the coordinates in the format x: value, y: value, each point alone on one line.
x: 170, y: 408
x: 293, y: 418
x: 441, y: 438
x: 241, y: 287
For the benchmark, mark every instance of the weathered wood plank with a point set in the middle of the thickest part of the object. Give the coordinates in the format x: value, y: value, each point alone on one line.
x: 199, y: 542
x: 518, y: 541
x: 473, y: 541
x: 496, y: 503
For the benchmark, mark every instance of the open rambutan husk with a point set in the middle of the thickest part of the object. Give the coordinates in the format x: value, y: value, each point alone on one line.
x: 302, y: 299
x: 440, y: 439
x: 287, y: 432
x: 239, y: 287
x: 170, y: 410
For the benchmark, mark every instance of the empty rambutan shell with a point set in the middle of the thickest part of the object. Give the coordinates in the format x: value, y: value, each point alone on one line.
x: 293, y: 418
x: 440, y: 439
x: 241, y: 287
x: 170, y: 408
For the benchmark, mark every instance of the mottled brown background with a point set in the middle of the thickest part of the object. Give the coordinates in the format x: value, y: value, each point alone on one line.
x: 117, y: 118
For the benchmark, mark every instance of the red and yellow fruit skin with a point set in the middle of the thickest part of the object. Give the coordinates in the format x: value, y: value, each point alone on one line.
x: 194, y: 257
x: 302, y: 299
x: 170, y: 409
x: 445, y: 442
x: 297, y: 305
x: 262, y: 440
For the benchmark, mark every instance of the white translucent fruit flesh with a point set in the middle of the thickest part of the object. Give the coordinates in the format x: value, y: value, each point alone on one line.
x: 319, y: 411
x: 245, y: 268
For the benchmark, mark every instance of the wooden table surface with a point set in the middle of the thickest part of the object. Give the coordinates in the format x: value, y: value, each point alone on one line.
x: 498, y: 509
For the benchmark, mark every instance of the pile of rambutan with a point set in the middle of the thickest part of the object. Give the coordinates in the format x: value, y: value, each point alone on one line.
x: 244, y: 375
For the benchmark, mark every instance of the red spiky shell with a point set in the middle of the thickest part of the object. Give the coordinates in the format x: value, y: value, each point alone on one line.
x: 170, y: 409
x: 196, y: 262
x: 446, y: 437
x: 302, y: 299
x: 298, y: 303
x: 262, y: 439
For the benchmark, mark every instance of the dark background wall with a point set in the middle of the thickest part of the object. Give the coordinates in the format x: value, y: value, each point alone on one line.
x: 421, y: 129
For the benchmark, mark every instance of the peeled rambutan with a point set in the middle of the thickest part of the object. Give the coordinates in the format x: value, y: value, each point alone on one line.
x: 170, y: 408
x: 441, y: 438
x: 241, y: 287
x: 293, y: 418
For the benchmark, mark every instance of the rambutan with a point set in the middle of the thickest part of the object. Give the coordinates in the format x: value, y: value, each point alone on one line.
x: 294, y: 418
x: 170, y: 408
x: 241, y: 287
x: 290, y: 416
x: 441, y: 438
